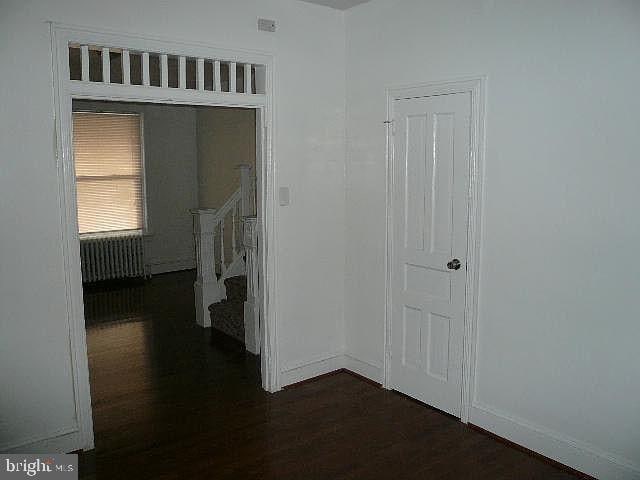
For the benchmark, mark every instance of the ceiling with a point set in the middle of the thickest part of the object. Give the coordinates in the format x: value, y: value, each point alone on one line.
x: 339, y: 4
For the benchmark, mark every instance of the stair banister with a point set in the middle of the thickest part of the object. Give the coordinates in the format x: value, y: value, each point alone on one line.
x: 208, y: 223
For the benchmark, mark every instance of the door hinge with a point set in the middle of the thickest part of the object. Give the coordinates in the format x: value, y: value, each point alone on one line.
x: 390, y: 124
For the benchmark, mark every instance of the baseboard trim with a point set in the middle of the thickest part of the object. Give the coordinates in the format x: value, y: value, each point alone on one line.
x: 566, y: 451
x: 531, y: 453
x: 166, y: 266
x: 61, y: 441
x: 363, y: 369
x: 314, y: 379
x: 312, y: 369
x: 330, y: 363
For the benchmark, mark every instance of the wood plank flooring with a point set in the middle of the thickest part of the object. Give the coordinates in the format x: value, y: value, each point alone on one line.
x: 168, y: 404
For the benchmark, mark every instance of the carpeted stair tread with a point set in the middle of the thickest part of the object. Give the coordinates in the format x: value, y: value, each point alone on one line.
x: 236, y: 287
x: 227, y: 316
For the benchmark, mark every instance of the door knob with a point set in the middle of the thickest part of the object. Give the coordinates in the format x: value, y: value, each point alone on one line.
x: 453, y: 264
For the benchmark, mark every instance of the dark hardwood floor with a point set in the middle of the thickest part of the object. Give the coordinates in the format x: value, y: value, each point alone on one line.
x: 167, y: 404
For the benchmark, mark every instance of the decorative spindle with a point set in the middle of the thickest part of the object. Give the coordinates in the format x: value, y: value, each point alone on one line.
x: 84, y: 56
x: 126, y: 68
x: 200, y: 72
x: 247, y: 78
x: 182, y: 72
x: 217, y: 83
x: 164, y: 70
x: 106, y: 66
x: 145, y: 69
x: 232, y: 77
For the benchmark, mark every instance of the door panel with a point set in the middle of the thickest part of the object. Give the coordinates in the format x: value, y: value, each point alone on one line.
x: 431, y: 178
x: 416, y: 190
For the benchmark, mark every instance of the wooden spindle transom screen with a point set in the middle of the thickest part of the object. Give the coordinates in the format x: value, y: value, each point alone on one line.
x: 105, y: 65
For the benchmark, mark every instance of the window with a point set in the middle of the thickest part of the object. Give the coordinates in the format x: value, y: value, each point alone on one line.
x: 109, y: 172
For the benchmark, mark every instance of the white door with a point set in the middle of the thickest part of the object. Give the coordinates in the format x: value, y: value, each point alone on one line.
x: 429, y: 247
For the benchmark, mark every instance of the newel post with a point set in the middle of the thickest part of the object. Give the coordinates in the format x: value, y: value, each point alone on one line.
x: 252, y: 304
x: 206, y: 288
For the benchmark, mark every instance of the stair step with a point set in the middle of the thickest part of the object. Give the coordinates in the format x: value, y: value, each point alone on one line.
x: 227, y: 316
x: 236, y: 287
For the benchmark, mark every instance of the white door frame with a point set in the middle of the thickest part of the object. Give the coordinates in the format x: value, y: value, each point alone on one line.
x: 476, y: 86
x: 65, y: 91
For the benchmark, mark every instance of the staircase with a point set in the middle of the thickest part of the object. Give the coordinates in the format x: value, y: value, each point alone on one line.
x: 227, y: 283
x: 227, y: 316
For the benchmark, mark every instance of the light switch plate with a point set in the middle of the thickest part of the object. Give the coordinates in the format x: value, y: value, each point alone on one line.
x: 266, y: 25
x: 283, y: 195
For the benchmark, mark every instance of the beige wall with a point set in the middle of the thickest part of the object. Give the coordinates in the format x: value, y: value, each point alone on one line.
x: 226, y: 138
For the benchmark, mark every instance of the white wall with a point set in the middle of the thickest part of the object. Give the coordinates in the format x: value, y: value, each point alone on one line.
x: 171, y: 178
x: 36, y: 399
x: 557, y: 363
x: 172, y: 186
x: 558, y: 357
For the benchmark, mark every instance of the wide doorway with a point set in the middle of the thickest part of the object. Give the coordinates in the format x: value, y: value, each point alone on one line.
x: 166, y: 212
x: 91, y: 66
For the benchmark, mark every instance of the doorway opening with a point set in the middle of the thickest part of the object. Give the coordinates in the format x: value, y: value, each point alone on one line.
x: 96, y: 66
x: 166, y: 213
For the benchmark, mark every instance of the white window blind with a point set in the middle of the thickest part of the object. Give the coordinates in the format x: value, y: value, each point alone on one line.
x: 108, y: 160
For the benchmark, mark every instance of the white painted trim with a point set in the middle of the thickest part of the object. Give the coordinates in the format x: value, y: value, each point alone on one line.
x: 326, y: 363
x: 307, y: 370
x: 228, y: 205
x: 70, y: 246
x: 157, y: 44
x: 562, y: 448
x: 62, y: 440
x: 64, y: 91
x: 235, y: 268
x: 117, y: 92
x: 363, y: 368
x: 267, y: 219
x: 143, y: 160
x: 475, y: 86
x: 309, y: 361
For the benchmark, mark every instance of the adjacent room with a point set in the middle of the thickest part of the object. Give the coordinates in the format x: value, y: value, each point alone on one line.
x: 152, y: 182
x: 332, y: 239
x: 162, y: 189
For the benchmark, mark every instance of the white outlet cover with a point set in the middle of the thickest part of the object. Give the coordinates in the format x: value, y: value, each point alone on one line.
x: 283, y: 196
